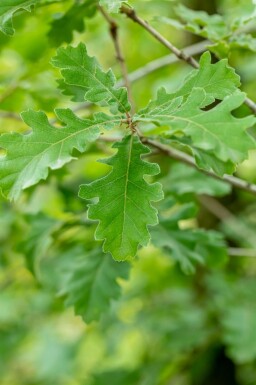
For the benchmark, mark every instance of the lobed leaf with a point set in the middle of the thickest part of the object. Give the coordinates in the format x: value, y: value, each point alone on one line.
x: 124, y: 210
x: 8, y: 8
x: 218, y: 80
x: 213, y: 27
x: 30, y: 156
x: 210, y: 131
x: 83, y: 71
x: 191, y: 246
x: 224, y: 34
x: 62, y: 27
x: 239, y: 322
x: 92, y: 284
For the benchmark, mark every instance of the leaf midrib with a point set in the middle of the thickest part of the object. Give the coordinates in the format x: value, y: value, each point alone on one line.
x: 125, y: 190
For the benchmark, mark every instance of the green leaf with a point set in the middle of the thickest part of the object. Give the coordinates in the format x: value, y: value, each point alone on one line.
x: 124, y: 208
x: 225, y: 35
x: 38, y: 240
x: 80, y: 70
x: 92, y: 284
x: 234, y: 298
x: 62, y: 26
x: 209, y: 162
x: 194, y: 122
x: 243, y: 41
x: 239, y: 331
x: 189, y: 246
x: 218, y: 80
x: 8, y: 8
x: 212, y: 27
x: 215, y: 130
x: 29, y: 156
x: 183, y: 179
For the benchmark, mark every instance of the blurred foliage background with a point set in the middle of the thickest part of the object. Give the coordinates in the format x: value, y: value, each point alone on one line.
x: 167, y: 327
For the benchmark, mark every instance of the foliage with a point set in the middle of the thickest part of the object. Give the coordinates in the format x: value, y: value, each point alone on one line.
x: 124, y: 238
x: 226, y: 35
x: 126, y: 208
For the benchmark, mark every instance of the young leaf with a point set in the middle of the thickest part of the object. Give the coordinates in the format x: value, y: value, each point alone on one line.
x: 83, y: 71
x: 212, y: 27
x: 92, y: 284
x: 223, y: 34
x: 216, y: 130
x: 124, y: 210
x: 7, y: 10
x: 30, y: 156
x: 63, y: 26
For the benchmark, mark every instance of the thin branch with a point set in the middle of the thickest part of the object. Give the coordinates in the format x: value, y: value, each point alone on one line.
x: 163, y: 61
x: 154, y: 66
x: 130, y: 12
x: 185, y: 158
x: 10, y: 115
x: 113, y: 29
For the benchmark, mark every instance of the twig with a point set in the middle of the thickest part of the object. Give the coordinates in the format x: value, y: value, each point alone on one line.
x: 181, y: 156
x: 163, y: 61
x: 153, y: 66
x: 185, y: 158
x: 113, y: 29
x: 130, y: 12
x: 9, y: 115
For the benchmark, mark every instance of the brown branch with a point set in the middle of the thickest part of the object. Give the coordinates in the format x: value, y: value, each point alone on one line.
x: 113, y: 29
x: 130, y: 12
x: 180, y: 54
x: 163, y: 61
